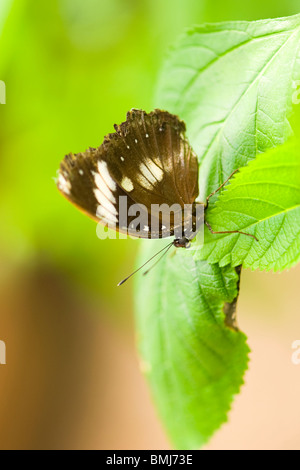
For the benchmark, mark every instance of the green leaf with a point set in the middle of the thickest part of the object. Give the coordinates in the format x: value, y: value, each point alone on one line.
x: 193, y: 361
x: 262, y: 199
x: 232, y: 83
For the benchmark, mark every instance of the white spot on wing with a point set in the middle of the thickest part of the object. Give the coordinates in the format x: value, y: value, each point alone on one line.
x: 151, y: 171
x: 127, y: 184
x: 122, y: 159
x: 103, y: 170
x: 147, y: 136
x: 146, y: 228
x: 63, y: 184
x: 103, y: 213
x: 103, y: 201
x: 144, y: 182
x: 136, y: 141
x: 100, y: 183
x: 81, y: 172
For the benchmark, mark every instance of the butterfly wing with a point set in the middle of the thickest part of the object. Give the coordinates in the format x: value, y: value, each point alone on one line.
x: 86, y: 183
x: 148, y: 160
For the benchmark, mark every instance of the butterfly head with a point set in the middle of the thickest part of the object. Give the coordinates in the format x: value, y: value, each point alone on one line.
x: 182, y: 242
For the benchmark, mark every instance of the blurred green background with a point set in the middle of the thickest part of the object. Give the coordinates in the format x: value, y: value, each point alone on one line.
x: 72, y: 69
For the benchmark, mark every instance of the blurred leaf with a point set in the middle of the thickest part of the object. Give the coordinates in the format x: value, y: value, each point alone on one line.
x: 194, y: 363
x: 263, y: 199
x: 5, y: 6
x: 254, y: 10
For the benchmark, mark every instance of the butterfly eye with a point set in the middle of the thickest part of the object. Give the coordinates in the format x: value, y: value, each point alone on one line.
x: 182, y: 242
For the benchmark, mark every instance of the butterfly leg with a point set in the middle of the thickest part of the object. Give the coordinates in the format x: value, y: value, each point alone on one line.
x: 220, y: 187
x: 230, y: 231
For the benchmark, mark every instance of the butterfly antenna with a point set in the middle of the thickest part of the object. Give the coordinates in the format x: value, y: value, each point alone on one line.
x: 163, y: 249
x: 157, y: 261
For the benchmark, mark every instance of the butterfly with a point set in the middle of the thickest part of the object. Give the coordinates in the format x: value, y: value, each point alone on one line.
x: 149, y: 162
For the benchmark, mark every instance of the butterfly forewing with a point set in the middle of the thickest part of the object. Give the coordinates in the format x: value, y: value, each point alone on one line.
x: 151, y: 160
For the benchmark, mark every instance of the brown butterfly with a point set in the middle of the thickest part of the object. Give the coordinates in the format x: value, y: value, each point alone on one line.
x: 149, y: 161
